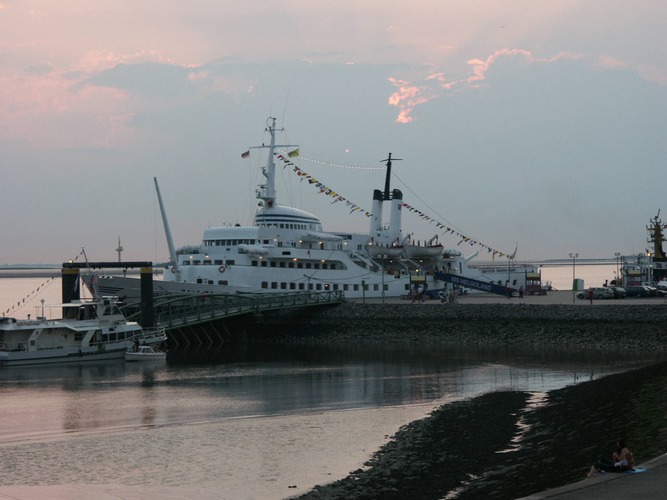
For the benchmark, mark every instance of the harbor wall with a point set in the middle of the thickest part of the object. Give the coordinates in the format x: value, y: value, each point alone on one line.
x: 622, y: 326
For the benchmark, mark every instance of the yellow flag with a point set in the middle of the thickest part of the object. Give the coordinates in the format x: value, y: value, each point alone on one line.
x: 294, y: 153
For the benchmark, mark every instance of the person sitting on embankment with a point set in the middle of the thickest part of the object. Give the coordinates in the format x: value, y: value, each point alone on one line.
x: 622, y: 460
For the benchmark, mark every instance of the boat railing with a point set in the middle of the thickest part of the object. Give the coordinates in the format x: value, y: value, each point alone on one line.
x: 13, y: 346
x: 151, y: 334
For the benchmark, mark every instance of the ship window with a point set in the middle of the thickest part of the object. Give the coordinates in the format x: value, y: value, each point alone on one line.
x: 308, y: 265
x: 199, y: 280
x: 310, y: 286
x: 301, y: 287
x: 274, y: 285
x: 218, y: 262
x: 264, y: 263
x: 514, y: 283
x: 266, y: 242
x: 196, y: 262
x: 385, y: 287
x: 229, y: 262
x: 290, y: 265
x: 207, y: 262
x: 375, y: 287
x: 282, y: 264
x: 335, y: 286
x: 318, y: 286
x: 210, y: 282
x: 292, y: 286
x: 253, y: 263
x: 316, y: 266
x: 287, y: 253
x: 222, y: 282
x: 346, y: 288
x: 265, y: 284
x: 324, y: 266
x: 273, y: 263
x: 406, y: 287
x: 283, y: 286
x: 299, y: 265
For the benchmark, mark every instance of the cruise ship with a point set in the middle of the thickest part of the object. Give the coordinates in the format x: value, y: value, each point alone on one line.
x: 288, y: 250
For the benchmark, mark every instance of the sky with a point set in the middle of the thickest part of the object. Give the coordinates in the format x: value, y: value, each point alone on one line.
x: 522, y: 124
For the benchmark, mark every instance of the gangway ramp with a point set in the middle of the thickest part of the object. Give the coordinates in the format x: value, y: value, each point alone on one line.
x: 483, y: 286
x: 192, y: 319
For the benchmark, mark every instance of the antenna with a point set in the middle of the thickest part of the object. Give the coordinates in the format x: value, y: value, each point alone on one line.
x: 119, y: 249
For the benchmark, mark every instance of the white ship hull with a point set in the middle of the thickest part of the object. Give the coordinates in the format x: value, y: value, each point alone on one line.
x: 287, y: 250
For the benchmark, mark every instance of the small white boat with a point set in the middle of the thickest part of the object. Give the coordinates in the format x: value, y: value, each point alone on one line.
x: 423, y: 252
x: 71, y: 333
x: 145, y: 353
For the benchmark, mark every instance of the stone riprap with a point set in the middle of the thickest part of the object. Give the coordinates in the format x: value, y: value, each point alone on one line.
x: 621, y: 326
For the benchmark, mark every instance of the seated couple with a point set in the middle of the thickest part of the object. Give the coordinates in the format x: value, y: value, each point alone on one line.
x: 622, y: 460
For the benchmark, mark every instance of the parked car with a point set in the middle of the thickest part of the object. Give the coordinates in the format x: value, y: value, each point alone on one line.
x: 598, y: 293
x: 637, y: 291
x: 619, y: 293
x: 656, y: 292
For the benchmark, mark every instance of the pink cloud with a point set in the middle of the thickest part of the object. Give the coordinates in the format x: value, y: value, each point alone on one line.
x: 407, y: 97
x: 410, y: 95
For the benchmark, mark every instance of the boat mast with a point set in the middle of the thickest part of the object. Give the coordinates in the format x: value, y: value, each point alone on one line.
x: 267, y: 191
x: 167, y: 231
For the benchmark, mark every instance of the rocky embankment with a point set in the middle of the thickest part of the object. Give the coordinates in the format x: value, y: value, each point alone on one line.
x: 637, y: 327
x: 505, y: 444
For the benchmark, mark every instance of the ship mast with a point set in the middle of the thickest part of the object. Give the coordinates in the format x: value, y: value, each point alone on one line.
x: 267, y: 191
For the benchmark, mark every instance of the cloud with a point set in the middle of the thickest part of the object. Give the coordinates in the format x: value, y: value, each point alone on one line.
x: 153, y: 79
x: 435, y: 84
x: 407, y: 97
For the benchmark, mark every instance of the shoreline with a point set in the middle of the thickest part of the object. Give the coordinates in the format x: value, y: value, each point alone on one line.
x: 532, y: 446
x: 562, y: 436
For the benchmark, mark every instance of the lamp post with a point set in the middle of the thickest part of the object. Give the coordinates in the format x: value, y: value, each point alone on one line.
x: 574, y: 257
x: 618, y: 276
x: 382, y: 268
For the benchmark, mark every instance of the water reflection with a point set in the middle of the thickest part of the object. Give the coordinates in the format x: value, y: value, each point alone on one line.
x: 213, y: 385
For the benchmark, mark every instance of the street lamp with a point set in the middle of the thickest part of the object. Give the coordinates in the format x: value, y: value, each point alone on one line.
x: 618, y: 276
x: 382, y: 268
x: 574, y: 257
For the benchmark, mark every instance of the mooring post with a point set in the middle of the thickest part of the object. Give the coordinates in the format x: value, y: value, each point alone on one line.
x: 70, y: 285
x: 147, y: 312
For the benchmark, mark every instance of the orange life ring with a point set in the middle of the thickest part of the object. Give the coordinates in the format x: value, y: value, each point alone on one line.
x: 222, y: 269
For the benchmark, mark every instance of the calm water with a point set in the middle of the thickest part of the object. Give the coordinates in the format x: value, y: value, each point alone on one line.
x: 241, y: 426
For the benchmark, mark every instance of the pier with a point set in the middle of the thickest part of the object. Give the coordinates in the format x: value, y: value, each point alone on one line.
x: 194, y: 320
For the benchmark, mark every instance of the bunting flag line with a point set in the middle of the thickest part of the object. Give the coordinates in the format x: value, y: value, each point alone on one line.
x: 294, y: 153
x: 30, y: 296
x: 321, y: 187
x: 462, y: 237
x: 355, y: 208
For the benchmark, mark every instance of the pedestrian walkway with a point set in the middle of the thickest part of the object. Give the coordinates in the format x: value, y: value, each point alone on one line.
x: 650, y: 484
